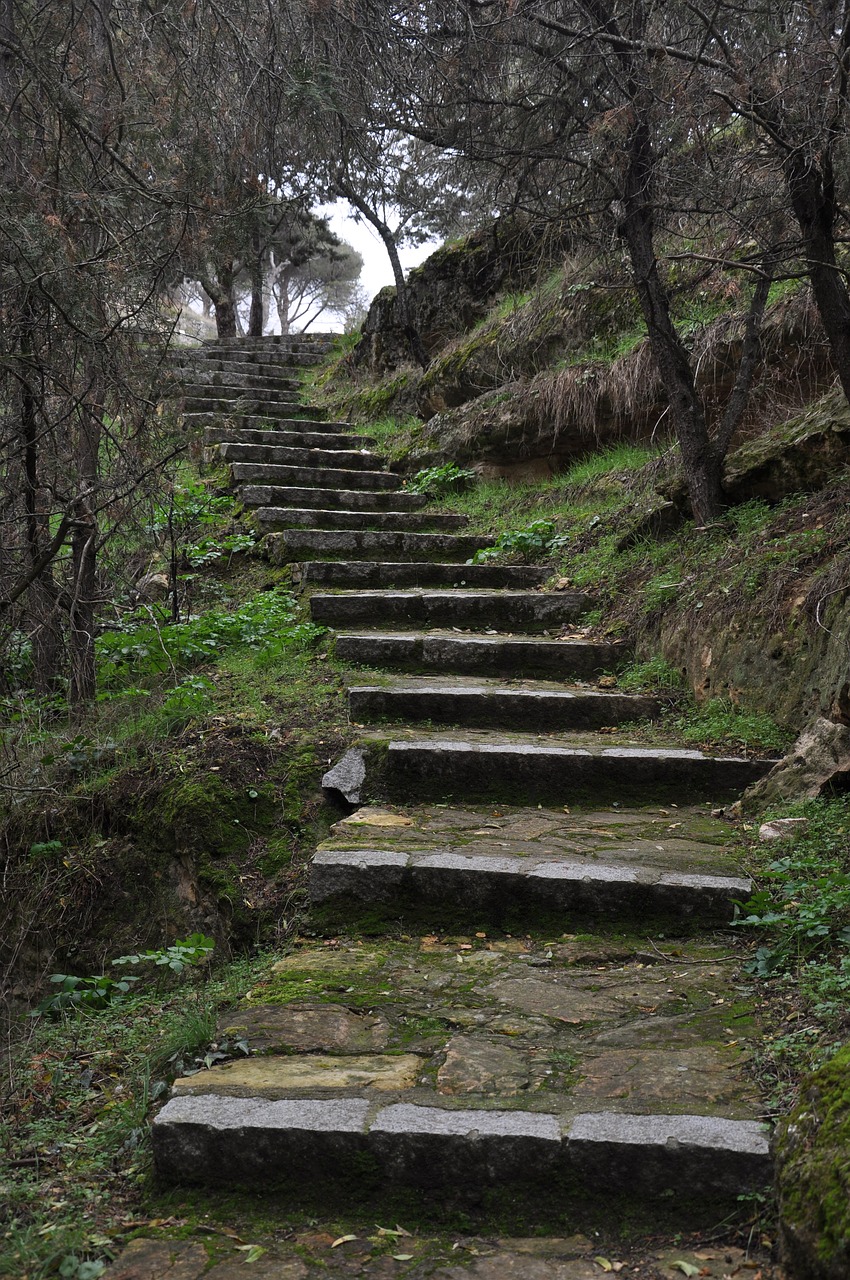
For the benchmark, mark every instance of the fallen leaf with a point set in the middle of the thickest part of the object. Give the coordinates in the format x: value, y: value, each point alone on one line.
x: 342, y: 1240
x: 253, y: 1252
x: 402, y: 1257
x: 604, y: 1263
x: 686, y: 1268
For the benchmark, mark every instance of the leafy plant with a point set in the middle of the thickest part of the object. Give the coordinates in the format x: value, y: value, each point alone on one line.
x: 76, y: 994
x: 436, y: 482
x: 804, y: 904
x: 537, y: 539
x: 193, y: 950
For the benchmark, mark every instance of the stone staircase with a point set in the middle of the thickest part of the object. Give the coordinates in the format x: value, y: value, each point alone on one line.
x: 538, y: 1007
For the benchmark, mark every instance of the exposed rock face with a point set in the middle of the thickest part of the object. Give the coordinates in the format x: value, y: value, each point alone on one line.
x: 813, y: 1176
x: 819, y: 759
x: 450, y: 292
x: 801, y: 458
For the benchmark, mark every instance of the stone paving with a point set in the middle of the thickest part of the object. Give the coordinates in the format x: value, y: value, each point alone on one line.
x: 519, y: 1003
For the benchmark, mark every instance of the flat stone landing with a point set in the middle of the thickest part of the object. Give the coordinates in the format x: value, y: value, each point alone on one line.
x: 459, y: 1064
x: 496, y: 861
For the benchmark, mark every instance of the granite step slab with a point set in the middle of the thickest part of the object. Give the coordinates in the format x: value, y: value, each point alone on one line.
x: 529, y: 773
x: 301, y: 544
x: 329, y: 456
x: 273, y: 375
x: 272, y: 473
x: 311, y: 435
x: 209, y: 1138
x: 268, y: 495
x: 538, y: 707
x: 249, y: 406
x: 505, y: 610
x: 275, y: 519
x: 374, y: 573
x: 258, y: 422
x: 234, y: 373
x: 216, y: 388
x: 518, y: 867
x: 496, y: 655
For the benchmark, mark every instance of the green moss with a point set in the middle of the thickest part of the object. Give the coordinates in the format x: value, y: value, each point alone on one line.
x: 813, y: 1168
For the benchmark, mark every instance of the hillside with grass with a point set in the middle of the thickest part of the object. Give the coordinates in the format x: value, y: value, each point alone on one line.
x: 158, y: 845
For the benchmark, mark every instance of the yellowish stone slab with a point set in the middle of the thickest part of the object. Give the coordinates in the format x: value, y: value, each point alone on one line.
x: 280, y: 1077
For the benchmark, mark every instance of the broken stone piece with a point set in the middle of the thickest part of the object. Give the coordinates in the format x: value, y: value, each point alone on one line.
x: 347, y: 776
x: 819, y: 759
x: 782, y: 829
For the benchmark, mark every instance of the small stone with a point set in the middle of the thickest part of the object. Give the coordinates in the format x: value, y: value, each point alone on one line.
x: 782, y: 829
x: 347, y: 776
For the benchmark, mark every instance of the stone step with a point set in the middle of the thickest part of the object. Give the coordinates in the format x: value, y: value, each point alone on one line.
x: 299, y: 544
x: 577, y: 1082
x: 259, y: 422
x: 239, y: 370
x: 499, y: 655
x: 490, y: 704
x: 233, y: 382
x: 311, y: 477
x: 374, y: 573
x: 250, y: 407
x: 274, y: 519
x: 520, y: 770
x: 515, y: 867
x: 287, y: 391
x: 501, y: 610
x: 274, y: 342
x: 266, y: 495
x: 269, y: 359
x: 313, y: 435
x: 293, y: 456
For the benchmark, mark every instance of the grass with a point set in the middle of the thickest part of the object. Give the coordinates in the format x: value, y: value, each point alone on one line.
x: 76, y: 1096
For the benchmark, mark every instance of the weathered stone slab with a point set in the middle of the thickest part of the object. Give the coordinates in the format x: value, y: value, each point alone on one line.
x: 159, y: 1260
x: 506, y: 610
x: 300, y: 544
x: 274, y: 1077
x: 536, y: 708
x: 274, y: 519
x: 321, y: 1028
x: 492, y: 882
x: 374, y: 573
x: 347, y: 776
x: 479, y: 654
x: 477, y: 1065
x: 551, y: 775
x: 328, y: 477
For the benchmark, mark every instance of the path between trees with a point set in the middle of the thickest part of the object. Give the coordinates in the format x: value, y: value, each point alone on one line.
x: 521, y: 1019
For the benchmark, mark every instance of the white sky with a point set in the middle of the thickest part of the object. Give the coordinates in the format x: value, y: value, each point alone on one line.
x: 377, y: 271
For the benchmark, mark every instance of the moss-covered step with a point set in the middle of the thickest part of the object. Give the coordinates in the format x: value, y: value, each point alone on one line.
x: 274, y: 519
x: 257, y: 421
x: 314, y: 544
x: 247, y: 406
x: 514, y: 866
x: 375, y: 573
x: 504, y: 610
x: 491, y: 704
x: 498, y: 655
x: 313, y: 435
x: 300, y: 456
x: 268, y: 495
x: 235, y: 380
x: 233, y: 388
x: 320, y: 477
x: 575, y: 1077
x: 481, y: 765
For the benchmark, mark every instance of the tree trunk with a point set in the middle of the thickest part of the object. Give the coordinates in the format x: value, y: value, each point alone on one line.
x: 406, y: 321
x: 81, y: 614
x: 255, y: 318
x: 43, y: 595
x: 219, y: 287
x: 701, y: 462
x: 811, y: 188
